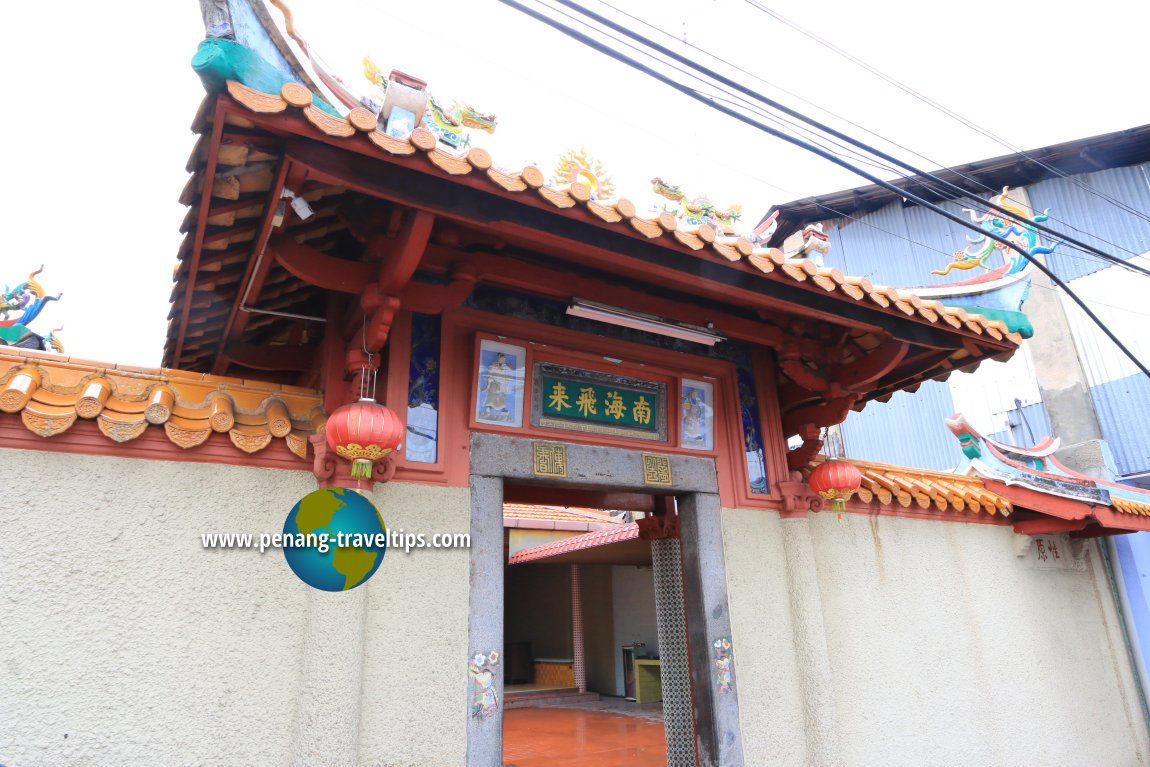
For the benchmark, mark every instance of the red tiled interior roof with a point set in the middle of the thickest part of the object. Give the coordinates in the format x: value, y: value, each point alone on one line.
x: 624, y: 532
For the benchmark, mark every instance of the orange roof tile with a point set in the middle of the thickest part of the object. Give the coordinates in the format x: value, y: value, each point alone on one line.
x: 888, y: 485
x: 50, y: 392
x: 627, y: 532
x: 621, y: 212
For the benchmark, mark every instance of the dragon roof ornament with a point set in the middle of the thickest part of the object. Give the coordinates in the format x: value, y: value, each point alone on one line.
x: 19, y: 307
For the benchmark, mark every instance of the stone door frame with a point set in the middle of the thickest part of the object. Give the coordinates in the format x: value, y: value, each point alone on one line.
x: 496, y: 459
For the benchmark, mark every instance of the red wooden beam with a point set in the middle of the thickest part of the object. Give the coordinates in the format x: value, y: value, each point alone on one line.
x: 315, y: 267
x: 873, y: 366
x: 541, y: 280
x: 296, y: 358
x: 1043, y: 503
x: 255, y: 272
x: 401, y: 262
x: 201, y: 225
x: 1048, y: 525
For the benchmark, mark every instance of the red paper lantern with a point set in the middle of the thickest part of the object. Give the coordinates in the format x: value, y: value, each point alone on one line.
x: 363, y: 432
x: 836, y: 481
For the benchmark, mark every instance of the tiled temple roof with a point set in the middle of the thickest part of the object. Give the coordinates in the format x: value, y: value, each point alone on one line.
x: 245, y: 173
x: 619, y: 211
x: 909, y: 488
x: 50, y: 392
x: 625, y: 532
x: 524, y: 515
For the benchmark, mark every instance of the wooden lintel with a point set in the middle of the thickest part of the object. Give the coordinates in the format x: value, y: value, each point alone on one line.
x: 317, y: 268
x: 295, y: 358
x: 517, y: 274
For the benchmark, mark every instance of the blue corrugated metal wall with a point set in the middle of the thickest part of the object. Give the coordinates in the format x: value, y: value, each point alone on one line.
x: 899, y: 245
x: 1123, y: 413
x: 909, y: 430
x: 1074, y: 206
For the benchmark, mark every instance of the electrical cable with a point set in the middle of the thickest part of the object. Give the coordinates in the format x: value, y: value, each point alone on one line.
x: 702, y: 98
x: 939, y: 107
x: 968, y: 178
x: 722, y: 79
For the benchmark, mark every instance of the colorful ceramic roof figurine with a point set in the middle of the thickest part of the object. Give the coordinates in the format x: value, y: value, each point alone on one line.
x: 1033, y: 477
x: 19, y: 307
x: 697, y: 210
x: 576, y: 166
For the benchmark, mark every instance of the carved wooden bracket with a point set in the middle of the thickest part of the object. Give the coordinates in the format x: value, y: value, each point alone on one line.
x: 658, y: 526
x: 802, y: 455
x: 332, y: 471
x: 798, y: 499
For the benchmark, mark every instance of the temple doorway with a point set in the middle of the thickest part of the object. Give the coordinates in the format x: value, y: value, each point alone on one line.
x: 526, y: 608
x: 582, y: 672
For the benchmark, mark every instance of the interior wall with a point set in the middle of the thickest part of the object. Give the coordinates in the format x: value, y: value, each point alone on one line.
x: 599, y: 628
x: 633, y: 608
x: 940, y: 639
x: 537, y: 609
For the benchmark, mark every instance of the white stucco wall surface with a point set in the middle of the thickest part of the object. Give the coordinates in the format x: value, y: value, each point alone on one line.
x: 945, y: 648
x: 949, y: 649
x: 122, y: 640
x: 770, y: 709
x: 414, y: 705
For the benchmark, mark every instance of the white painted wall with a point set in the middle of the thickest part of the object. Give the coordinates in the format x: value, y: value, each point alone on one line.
x: 945, y: 648
x: 633, y: 613
x: 123, y: 642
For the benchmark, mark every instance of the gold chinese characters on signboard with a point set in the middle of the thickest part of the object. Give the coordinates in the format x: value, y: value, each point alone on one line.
x: 550, y: 459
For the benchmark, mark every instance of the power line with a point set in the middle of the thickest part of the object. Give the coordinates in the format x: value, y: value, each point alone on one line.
x: 740, y: 88
x: 970, y: 179
x: 692, y: 93
x: 813, y: 137
x: 939, y: 107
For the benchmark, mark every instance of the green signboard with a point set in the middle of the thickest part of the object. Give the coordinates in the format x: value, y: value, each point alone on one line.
x: 599, y: 402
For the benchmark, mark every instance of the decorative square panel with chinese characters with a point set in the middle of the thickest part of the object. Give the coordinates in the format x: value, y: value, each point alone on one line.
x: 550, y: 459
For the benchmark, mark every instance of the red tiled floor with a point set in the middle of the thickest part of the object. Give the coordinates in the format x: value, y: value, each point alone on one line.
x: 564, y: 737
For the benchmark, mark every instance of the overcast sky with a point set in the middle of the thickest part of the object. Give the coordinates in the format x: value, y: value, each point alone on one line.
x: 100, y: 97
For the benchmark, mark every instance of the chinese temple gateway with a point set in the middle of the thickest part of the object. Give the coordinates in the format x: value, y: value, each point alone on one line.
x: 547, y: 344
